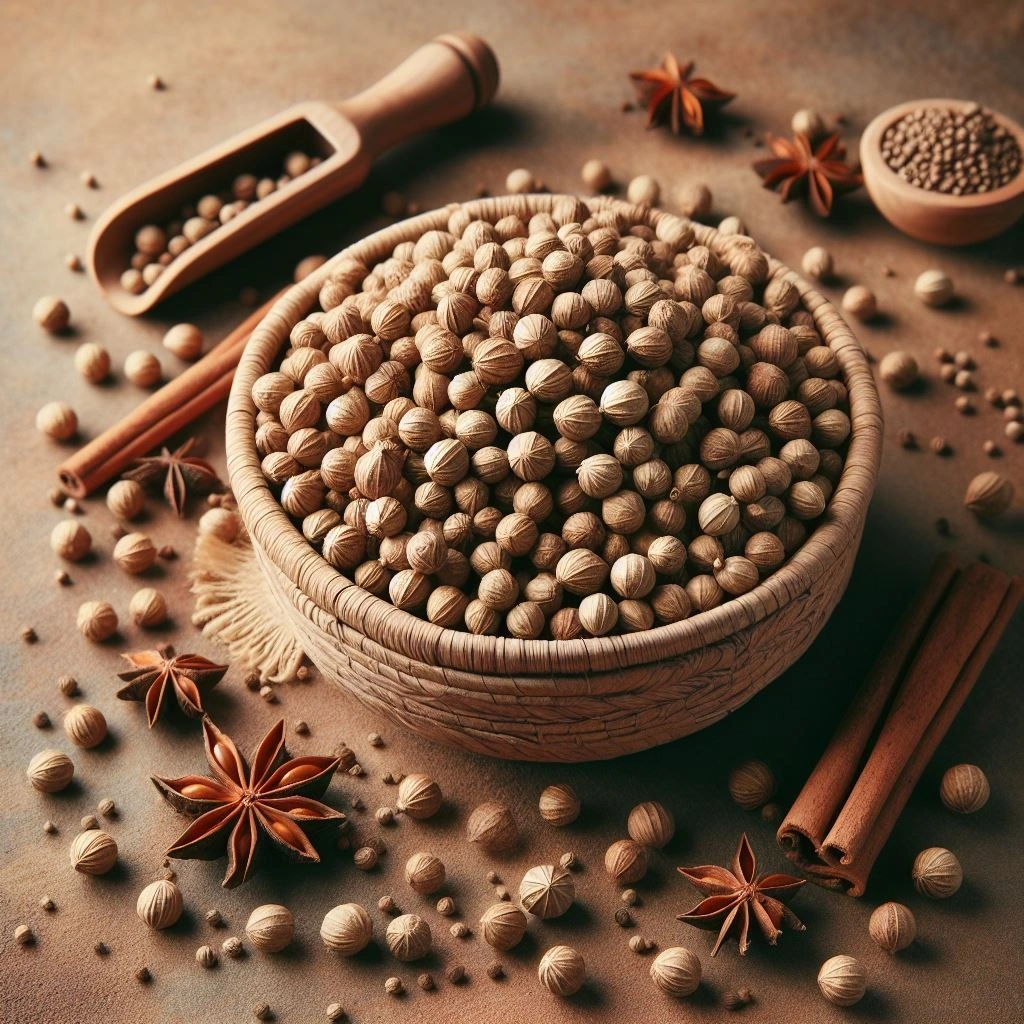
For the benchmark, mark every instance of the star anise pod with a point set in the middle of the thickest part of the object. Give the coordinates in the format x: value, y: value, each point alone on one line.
x: 670, y: 91
x: 732, y: 897
x: 182, y: 474
x: 800, y: 168
x: 155, y: 674
x: 273, y: 799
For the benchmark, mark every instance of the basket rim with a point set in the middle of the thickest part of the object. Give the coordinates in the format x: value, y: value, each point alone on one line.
x: 270, y: 527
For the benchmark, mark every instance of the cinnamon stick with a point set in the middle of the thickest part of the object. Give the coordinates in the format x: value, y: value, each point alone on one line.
x: 849, y: 806
x: 161, y: 415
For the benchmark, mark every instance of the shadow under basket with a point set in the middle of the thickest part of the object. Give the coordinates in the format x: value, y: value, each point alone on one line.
x: 543, y: 700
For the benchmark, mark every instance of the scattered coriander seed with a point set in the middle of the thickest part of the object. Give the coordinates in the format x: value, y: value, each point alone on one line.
x: 73, y: 262
x: 384, y: 816
x: 47, y: 904
x: 68, y: 685
x: 629, y: 897
x: 386, y: 904
x: 160, y: 904
x: 93, y: 852
x: 147, y: 608
x: 107, y: 808
x: 676, y: 971
x: 964, y: 405
x: 892, y: 927
x: 142, y: 369
x: 270, y: 927
x: 74, y: 211
x: 937, y: 873
x: 939, y: 445
x: 155, y: 82
x: 23, y: 935
x: 365, y: 858
x: 640, y: 944
x: 899, y: 370
x: 568, y: 861
x: 964, y: 380
x: 302, y: 728
x: 991, y: 449
x: 495, y: 970
x: 334, y: 1012
x: 456, y: 974
x: 49, y: 827
x: 214, y: 918
x: 143, y: 975
x: 50, y: 771
x: 623, y: 918
x: 964, y: 788
x: 56, y: 496
x: 817, y: 263
x: 375, y: 739
x: 426, y: 982
x: 493, y: 878
x: 948, y: 372
x: 502, y: 893
x: 262, y: 1011
x: 41, y: 720
x: 52, y: 314
x: 808, y: 122
x: 446, y: 906
x: 62, y: 578
x: 36, y: 159
x: 595, y: 175
x: 989, y: 494
x: 92, y: 361
x: 751, y: 784
x: 459, y: 930
x: 57, y: 420
x: 167, y: 553
x: 520, y: 181
x: 559, y: 805
x: 736, y: 1000
x: 988, y: 339
x: 842, y: 980
x: 771, y: 812
x: 358, y: 804
x: 860, y: 302
x: 643, y: 190
x: 934, y: 288
x: 267, y: 693
x: 185, y: 341
x: 72, y: 507
x: 88, y: 822
x: 29, y: 635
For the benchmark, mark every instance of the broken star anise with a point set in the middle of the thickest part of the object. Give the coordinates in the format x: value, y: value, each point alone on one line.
x: 732, y: 897
x: 670, y: 92
x: 182, y: 474
x: 274, y: 797
x: 799, y: 168
x: 155, y: 674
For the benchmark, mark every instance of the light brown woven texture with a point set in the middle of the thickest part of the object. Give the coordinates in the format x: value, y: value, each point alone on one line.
x: 537, y: 699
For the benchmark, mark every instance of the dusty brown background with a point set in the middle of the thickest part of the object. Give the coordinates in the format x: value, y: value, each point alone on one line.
x: 73, y: 84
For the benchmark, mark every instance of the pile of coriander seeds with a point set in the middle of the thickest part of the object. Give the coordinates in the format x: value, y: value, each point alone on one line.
x: 561, y: 425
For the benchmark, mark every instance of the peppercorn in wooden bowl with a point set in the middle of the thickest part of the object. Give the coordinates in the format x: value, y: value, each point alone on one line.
x: 628, y: 617
x: 930, y: 210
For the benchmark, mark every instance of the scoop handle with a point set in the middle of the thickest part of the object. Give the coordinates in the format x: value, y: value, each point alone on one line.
x: 444, y: 80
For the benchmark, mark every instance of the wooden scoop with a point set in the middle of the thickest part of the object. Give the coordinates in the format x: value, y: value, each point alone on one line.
x: 441, y: 82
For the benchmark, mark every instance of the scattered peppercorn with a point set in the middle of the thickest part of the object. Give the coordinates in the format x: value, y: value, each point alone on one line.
x: 49, y: 827
x: 302, y: 728
x: 456, y: 974
x: 214, y: 918
x: 89, y: 822
x: 459, y: 930
x: 939, y: 445
x: 964, y: 406
x: 29, y: 635
x: 493, y: 878
x: 426, y: 982
x: 46, y: 902
x: 496, y: 970
x: 375, y: 739
x: 41, y: 720
x: 991, y: 449
x: 262, y: 1011
x: 167, y: 553
x: 61, y: 577
x: 623, y: 918
x: 144, y: 975
x: 101, y: 948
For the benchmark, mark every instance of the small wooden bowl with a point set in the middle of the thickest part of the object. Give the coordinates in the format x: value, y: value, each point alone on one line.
x: 546, y: 700
x: 935, y: 216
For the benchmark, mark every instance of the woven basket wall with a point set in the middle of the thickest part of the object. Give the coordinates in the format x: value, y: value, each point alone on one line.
x: 538, y: 699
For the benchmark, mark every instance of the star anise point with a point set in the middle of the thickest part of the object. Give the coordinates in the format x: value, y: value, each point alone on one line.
x: 273, y: 797
x: 798, y: 167
x: 182, y: 474
x: 673, y: 94
x: 733, y: 895
x: 156, y: 674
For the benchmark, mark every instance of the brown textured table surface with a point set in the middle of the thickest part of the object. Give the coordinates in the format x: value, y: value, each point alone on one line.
x: 73, y: 79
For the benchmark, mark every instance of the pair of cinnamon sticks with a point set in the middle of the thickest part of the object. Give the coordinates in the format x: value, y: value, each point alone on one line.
x: 847, y: 810
x: 160, y: 416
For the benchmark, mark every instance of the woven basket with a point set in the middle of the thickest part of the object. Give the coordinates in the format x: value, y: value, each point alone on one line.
x: 537, y: 699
